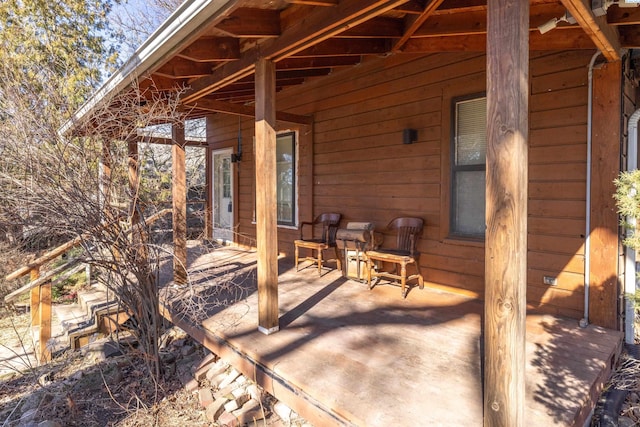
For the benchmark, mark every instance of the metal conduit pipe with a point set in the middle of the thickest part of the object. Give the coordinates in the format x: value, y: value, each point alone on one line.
x: 587, y: 241
x: 630, y: 253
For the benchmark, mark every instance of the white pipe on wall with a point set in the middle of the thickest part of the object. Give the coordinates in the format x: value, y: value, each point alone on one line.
x: 630, y: 253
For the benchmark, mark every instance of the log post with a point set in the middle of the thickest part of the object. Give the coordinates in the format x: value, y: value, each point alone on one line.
x: 34, y: 298
x: 266, y: 200
x: 208, y: 206
x: 506, y: 212
x: 105, y: 177
x: 134, y: 180
x: 179, y: 197
x: 605, y: 164
x: 44, y: 353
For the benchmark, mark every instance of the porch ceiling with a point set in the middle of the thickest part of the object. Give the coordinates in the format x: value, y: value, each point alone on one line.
x: 309, y: 39
x: 207, y: 50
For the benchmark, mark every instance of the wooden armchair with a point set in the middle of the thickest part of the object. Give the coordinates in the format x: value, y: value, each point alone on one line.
x: 408, y: 232
x: 327, y: 240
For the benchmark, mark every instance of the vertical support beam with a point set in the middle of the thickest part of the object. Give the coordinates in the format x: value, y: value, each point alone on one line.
x: 179, y: 196
x: 44, y: 353
x: 134, y: 180
x: 34, y: 298
x: 605, y: 166
x: 208, y: 206
x: 105, y: 177
x: 506, y: 212
x: 266, y: 200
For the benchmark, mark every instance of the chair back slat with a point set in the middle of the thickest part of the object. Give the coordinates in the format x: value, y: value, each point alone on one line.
x: 408, y: 231
x: 329, y: 221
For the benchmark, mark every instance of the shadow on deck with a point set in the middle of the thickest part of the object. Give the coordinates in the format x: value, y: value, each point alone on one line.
x: 347, y: 355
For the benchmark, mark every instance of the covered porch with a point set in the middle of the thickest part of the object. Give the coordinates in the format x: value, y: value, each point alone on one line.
x: 345, y: 355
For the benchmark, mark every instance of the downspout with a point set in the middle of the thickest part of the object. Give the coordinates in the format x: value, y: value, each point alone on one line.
x: 630, y: 253
x: 587, y: 239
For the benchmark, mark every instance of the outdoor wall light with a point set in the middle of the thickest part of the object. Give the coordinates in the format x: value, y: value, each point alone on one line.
x: 409, y: 136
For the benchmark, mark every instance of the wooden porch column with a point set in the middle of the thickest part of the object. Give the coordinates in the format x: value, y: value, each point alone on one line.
x: 179, y: 196
x: 605, y: 164
x: 506, y: 212
x: 105, y: 177
x: 133, y: 182
x: 266, y: 214
x: 34, y: 298
x: 44, y: 353
x: 208, y: 191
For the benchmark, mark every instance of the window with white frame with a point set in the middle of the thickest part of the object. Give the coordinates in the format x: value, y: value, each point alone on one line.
x: 286, y: 177
x: 468, y: 166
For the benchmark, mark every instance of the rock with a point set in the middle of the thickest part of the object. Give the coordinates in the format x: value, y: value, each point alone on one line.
x: 250, y: 413
x: 205, y: 363
x: 231, y: 377
x: 205, y: 397
x: 227, y: 419
x: 236, y: 403
x: 255, y: 392
x: 214, y: 410
x: 283, y: 411
x: 216, y: 369
x: 28, y: 416
x: 188, y: 382
x: 625, y: 422
x: 178, y: 343
x: 103, y: 349
x: 186, y: 350
x: 45, y: 379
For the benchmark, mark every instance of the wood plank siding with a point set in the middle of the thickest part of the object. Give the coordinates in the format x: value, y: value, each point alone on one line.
x: 352, y: 160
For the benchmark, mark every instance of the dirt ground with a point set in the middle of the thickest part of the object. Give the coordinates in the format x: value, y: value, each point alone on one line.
x: 77, y: 389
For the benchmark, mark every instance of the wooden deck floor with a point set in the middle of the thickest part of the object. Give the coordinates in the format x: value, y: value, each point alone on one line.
x: 347, y: 355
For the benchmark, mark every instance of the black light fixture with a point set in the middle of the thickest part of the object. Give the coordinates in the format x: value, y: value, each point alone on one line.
x: 236, y: 157
x: 409, y: 136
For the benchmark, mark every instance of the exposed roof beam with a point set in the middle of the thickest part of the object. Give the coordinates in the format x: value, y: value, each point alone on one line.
x: 416, y: 22
x: 212, y: 49
x: 315, y: 2
x: 623, y: 15
x: 348, y: 47
x: 178, y: 67
x: 560, y: 39
x: 247, y: 111
x: 317, y: 27
x: 605, y: 38
x: 248, y: 22
x: 376, y: 27
x: 319, y: 62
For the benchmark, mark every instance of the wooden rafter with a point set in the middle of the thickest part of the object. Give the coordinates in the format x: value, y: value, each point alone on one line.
x: 345, y: 47
x: 247, y: 111
x: 416, y: 22
x: 315, y: 2
x: 178, y: 67
x: 559, y: 39
x: 320, y: 62
x: 320, y: 25
x: 605, y: 37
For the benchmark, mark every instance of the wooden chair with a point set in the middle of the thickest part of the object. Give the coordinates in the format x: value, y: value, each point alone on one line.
x: 327, y: 240
x: 408, y: 232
